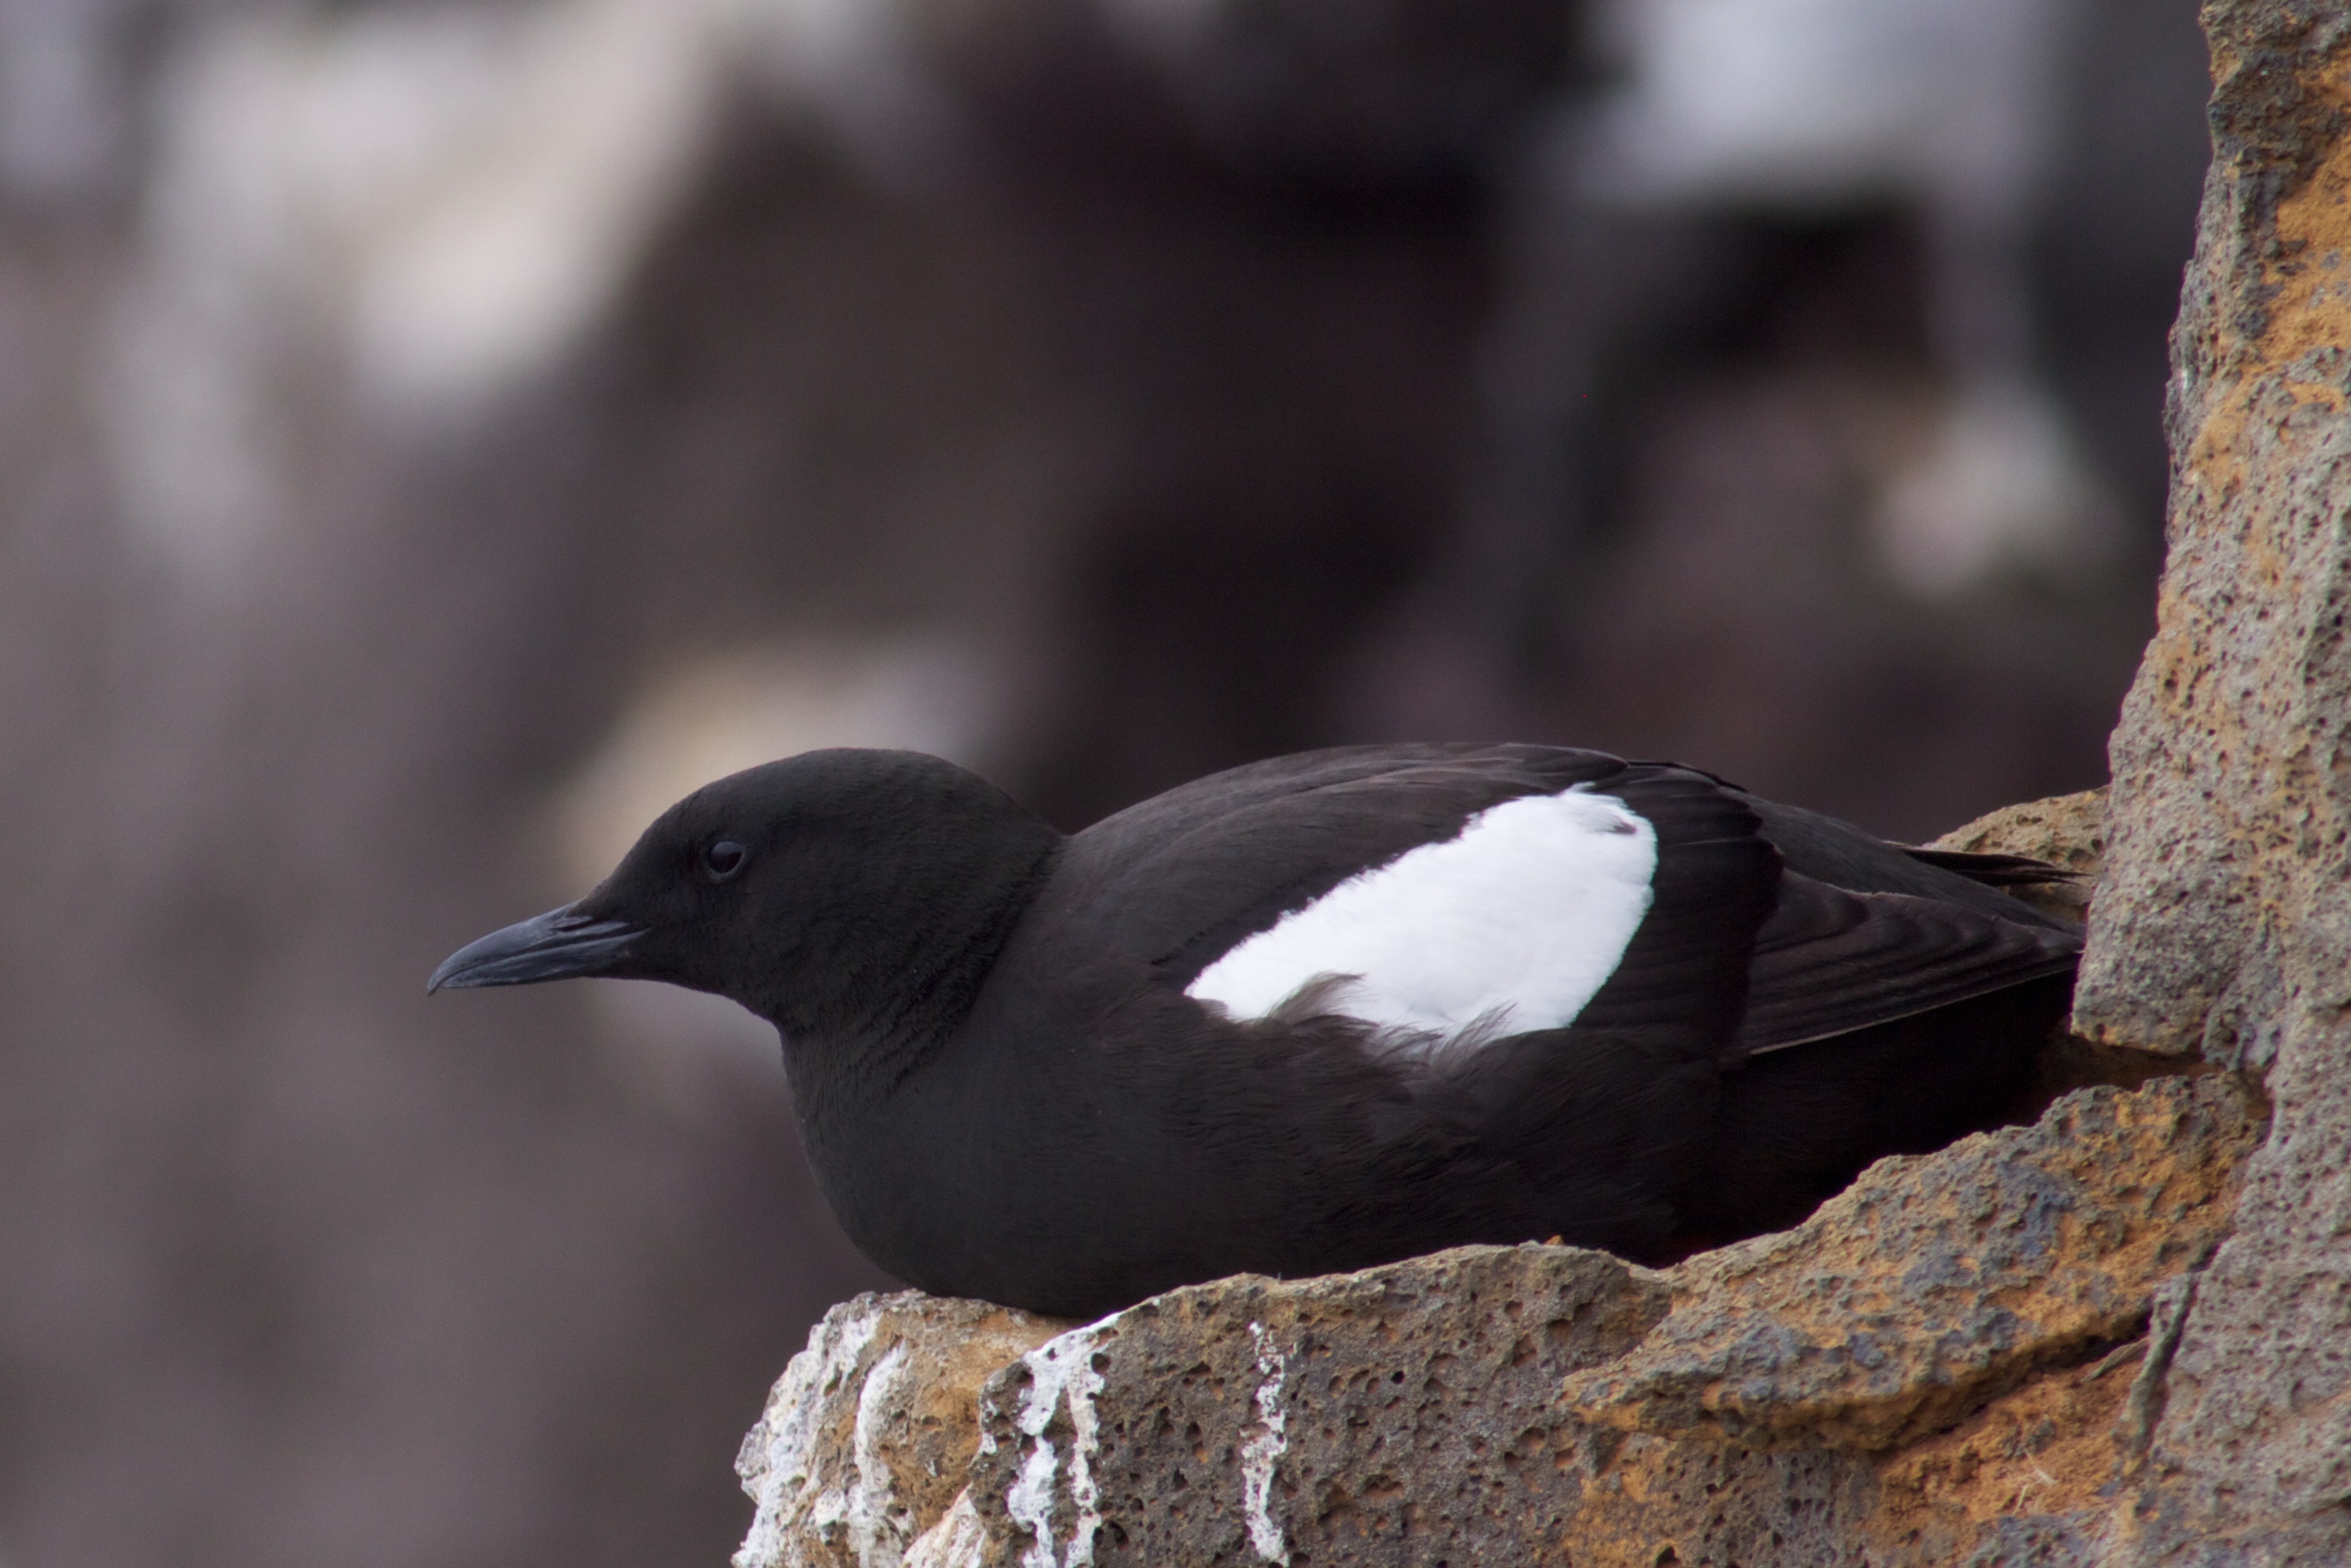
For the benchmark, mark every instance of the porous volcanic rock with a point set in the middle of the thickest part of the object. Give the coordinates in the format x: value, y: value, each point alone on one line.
x: 2223, y: 923
x: 1934, y: 1282
x: 1411, y: 1410
x: 1941, y: 1362
x: 864, y: 1443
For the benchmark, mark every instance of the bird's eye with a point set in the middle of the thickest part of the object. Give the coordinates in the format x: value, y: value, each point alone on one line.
x: 722, y: 858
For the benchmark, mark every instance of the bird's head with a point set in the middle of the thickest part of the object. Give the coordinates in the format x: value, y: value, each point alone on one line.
x: 815, y: 891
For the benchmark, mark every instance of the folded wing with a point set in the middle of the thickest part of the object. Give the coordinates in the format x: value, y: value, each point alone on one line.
x: 1829, y: 961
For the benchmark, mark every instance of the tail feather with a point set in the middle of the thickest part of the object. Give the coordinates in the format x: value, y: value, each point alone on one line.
x: 1993, y: 870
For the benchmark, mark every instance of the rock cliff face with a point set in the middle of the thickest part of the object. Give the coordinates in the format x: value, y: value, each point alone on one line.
x: 2226, y: 924
x: 2120, y: 1336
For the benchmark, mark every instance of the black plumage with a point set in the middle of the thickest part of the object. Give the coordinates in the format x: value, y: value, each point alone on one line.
x: 1007, y: 1091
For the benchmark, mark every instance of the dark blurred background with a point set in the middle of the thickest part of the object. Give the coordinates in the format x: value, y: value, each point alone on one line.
x: 434, y: 437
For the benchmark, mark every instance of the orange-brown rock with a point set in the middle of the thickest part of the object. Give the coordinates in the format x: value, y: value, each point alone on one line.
x: 2223, y: 923
x: 1933, y: 1284
x: 864, y: 1442
x: 2069, y: 831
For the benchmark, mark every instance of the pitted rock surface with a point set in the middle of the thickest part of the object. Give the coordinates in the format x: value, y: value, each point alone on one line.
x: 1940, y: 1366
x: 2230, y: 803
x: 1934, y: 1283
x: 1408, y: 1412
x: 2223, y: 922
x: 864, y: 1442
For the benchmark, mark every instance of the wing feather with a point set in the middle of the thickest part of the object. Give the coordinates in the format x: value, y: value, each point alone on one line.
x: 1769, y: 927
x: 1830, y: 961
x: 1182, y: 878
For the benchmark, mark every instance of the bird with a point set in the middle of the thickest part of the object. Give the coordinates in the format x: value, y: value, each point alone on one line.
x: 1323, y: 1011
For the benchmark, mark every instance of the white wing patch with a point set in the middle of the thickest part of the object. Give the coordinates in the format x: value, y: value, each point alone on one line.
x: 1513, y: 923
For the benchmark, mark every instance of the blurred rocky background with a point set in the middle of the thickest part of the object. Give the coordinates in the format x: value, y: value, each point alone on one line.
x: 434, y: 437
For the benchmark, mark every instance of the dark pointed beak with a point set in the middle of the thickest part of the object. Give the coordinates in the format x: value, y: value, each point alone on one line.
x: 550, y: 947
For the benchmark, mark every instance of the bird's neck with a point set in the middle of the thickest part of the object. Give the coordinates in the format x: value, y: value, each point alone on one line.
x: 886, y: 984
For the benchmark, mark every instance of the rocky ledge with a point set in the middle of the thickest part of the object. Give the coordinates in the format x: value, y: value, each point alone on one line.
x: 1955, y: 1360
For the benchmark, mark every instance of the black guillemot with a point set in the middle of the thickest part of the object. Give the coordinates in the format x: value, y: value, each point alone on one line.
x: 1323, y: 1012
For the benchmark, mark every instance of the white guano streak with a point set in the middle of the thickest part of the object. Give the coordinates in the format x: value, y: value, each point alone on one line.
x: 780, y: 1462
x: 1060, y: 1370
x: 878, y: 1523
x: 1263, y: 1448
x: 1514, y: 922
x: 957, y: 1540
